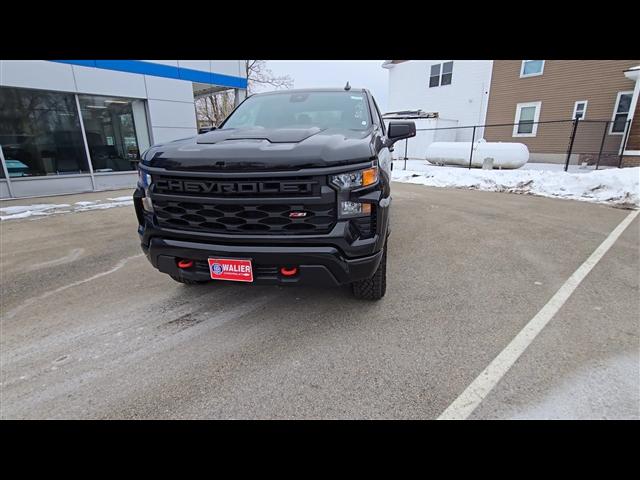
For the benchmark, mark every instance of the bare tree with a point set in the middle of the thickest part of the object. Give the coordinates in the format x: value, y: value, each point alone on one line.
x: 259, y: 75
x: 213, y: 109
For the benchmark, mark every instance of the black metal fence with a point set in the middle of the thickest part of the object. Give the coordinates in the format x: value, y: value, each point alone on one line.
x: 588, y: 143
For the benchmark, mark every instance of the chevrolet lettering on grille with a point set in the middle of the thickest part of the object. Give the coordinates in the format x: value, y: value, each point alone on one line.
x: 227, y: 188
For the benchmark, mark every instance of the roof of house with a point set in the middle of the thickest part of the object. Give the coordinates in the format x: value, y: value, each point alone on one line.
x: 391, y: 63
x: 406, y: 114
x: 633, y: 73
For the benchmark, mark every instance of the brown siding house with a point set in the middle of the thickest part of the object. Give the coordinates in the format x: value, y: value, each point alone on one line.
x: 551, y: 90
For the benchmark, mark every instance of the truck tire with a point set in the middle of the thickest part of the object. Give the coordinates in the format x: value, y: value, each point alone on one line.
x: 186, y: 281
x: 375, y: 287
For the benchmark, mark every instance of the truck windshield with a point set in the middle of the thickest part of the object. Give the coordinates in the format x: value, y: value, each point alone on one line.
x: 342, y: 110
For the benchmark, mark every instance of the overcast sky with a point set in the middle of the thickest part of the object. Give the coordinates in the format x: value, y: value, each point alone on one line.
x: 335, y: 73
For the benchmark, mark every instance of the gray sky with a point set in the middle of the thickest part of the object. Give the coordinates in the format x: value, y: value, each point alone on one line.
x: 335, y: 73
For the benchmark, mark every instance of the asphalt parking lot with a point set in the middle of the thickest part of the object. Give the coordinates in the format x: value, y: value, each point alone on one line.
x: 91, y: 330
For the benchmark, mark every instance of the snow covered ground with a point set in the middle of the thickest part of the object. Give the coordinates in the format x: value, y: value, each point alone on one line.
x: 619, y: 186
x: 43, y: 209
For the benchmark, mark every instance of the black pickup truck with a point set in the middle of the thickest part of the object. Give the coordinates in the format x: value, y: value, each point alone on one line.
x: 292, y: 188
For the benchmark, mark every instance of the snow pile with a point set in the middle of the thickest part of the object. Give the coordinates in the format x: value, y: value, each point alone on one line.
x: 613, y: 186
x: 43, y: 209
x: 113, y: 202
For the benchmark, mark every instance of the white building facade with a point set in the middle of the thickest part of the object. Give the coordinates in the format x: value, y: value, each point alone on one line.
x: 73, y: 126
x: 456, y: 90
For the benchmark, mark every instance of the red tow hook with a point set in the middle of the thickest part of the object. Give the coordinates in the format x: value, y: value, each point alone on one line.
x: 288, y: 272
x: 185, y: 263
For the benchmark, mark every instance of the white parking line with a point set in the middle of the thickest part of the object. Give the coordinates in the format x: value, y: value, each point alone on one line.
x: 476, y: 392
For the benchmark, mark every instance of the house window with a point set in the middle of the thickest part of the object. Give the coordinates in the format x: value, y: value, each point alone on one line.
x: 441, y: 74
x: 531, y: 68
x: 447, y: 73
x: 621, y: 113
x: 579, y: 110
x: 434, y: 79
x: 527, y: 115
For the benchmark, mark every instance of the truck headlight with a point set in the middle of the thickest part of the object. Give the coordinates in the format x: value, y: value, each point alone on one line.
x: 144, y: 181
x: 359, y: 178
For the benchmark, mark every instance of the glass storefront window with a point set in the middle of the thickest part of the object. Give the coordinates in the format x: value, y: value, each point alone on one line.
x: 40, y: 133
x: 110, y: 126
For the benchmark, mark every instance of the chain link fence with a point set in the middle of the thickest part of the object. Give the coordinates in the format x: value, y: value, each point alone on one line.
x: 584, y: 143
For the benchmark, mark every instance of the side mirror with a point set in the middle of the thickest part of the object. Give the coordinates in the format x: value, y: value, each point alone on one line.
x: 205, y: 129
x: 400, y: 130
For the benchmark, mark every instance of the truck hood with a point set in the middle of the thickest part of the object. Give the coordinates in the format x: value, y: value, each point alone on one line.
x: 263, y: 149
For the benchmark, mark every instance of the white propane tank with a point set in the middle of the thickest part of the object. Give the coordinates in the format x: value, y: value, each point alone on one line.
x: 504, y: 154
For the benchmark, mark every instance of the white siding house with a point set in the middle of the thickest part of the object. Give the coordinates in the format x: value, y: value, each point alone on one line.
x: 457, y: 90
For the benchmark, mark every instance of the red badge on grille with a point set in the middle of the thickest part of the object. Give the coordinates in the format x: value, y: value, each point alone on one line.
x: 297, y: 214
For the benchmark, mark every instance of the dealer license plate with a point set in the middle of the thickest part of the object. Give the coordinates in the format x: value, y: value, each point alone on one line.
x: 234, y: 269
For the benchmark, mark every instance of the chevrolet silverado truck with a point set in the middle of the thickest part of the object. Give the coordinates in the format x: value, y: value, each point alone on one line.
x: 292, y: 188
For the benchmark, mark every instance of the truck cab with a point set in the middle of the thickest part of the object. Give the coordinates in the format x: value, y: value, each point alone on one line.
x: 292, y: 188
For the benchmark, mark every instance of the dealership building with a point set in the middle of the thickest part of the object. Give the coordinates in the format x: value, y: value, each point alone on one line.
x: 71, y: 126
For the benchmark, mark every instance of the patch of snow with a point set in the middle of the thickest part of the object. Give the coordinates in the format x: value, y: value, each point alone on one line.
x: 619, y: 186
x: 103, y: 206
x: 559, y: 167
x: 44, y: 209
x: 39, y: 207
x: 26, y: 214
x: 120, y: 199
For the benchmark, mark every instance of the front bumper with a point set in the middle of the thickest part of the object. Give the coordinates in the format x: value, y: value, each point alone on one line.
x: 323, y: 266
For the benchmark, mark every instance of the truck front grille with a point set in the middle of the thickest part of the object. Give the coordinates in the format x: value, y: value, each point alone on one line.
x: 244, y: 219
